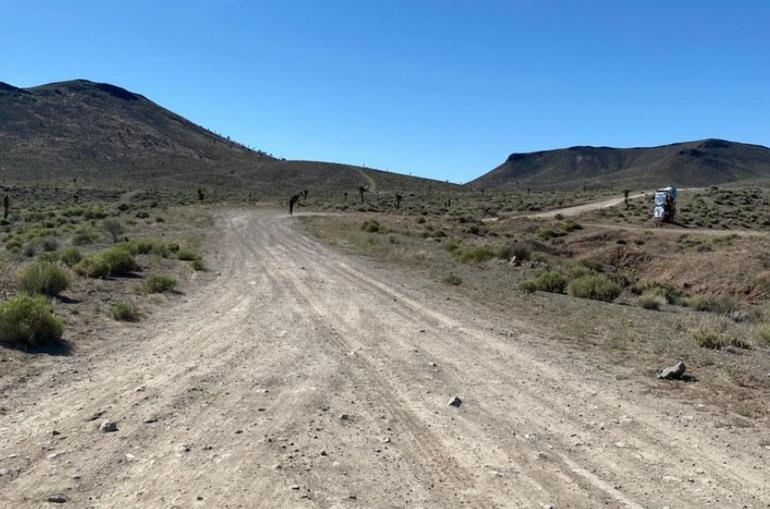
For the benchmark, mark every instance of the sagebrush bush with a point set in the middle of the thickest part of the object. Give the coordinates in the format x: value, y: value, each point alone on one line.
x: 120, y: 260
x: 650, y: 301
x: 84, y: 236
x: 93, y: 266
x: 125, y: 311
x: 550, y: 281
x: 187, y: 255
x: 595, y: 287
x: 477, y: 254
x: 716, y: 338
x: 198, y: 265
x: 71, y: 256
x: 371, y: 226
x: 29, y: 320
x: 160, y: 284
x: 43, y: 278
x: 528, y: 286
x: 721, y: 303
x: 453, y: 279
x: 671, y: 294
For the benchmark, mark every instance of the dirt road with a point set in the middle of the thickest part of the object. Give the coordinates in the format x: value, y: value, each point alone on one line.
x: 302, y: 378
x: 582, y: 209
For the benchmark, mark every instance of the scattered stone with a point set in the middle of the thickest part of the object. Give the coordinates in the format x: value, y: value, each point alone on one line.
x: 675, y: 372
x: 56, y: 499
x: 323, y: 453
x: 55, y: 433
x: 95, y: 416
x: 455, y: 401
x: 344, y: 417
x: 385, y: 440
x: 108, y: 426
x: 544, y: 456
x: 150, y: 420
x: 295, y: 487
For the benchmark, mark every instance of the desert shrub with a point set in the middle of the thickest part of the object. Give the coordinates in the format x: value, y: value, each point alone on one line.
x: 528, y: 286
x: 84, y: 236
x: 716, y: 338
x: 14, y: 244
x: 143, y: 246
x: 43, y: 278
x: 49, y: 244
x: 595, y: 287
x: 94, y: 266
x: 70, y: 256
x: 451, y: 245
x: 650, y: 301
x: 48, y: 257
x: 125, y: 312
x: 651, y: 287
x: 544, y: 233
x: 160, y: 284
x: 29, y: 320
x: 475, y: 254
x: 511, y: 250
x: 187, y: 255
x: 453, y: 279
x: 161, y: 249
x: 722, y: 304
x: 198, y: 265
x: 173, y: 247
x: 550, y: 281
x: 120, y: 260
x: 571, y: 226
x: 29, y: 250
x: 371, y: 226
x: 114, y: 228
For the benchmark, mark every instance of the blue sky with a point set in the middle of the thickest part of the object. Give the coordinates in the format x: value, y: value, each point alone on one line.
x: 440, y: 88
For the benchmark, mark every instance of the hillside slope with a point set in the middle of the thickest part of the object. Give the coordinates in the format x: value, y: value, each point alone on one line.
x: 101, y: 134
x: 695, y: 163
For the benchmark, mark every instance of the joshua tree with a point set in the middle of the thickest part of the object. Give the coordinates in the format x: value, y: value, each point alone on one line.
x: 361, y: 191
x: 6, y: 206
x: 625, y: 196
x: 304, y: 194
x: 398, y: 200
x: 201, y: 196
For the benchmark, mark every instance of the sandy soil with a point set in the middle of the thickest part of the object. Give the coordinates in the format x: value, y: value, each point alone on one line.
x: 298, y: 377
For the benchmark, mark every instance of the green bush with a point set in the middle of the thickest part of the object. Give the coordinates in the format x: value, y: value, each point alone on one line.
x: 71, y: 256
x: 120, y: 260
x: 125, y: 312
x: 595, y: 287
x: 528, y: 286
x: 198, y: 265
x: 187, y: 255
x: 453, y: 279
x: 716, y: 338
x: 371, y: 226
x: 15, y: 244
x: 550, y: 281
x: 160, y: 284
x: 475, y: 254
x: 722, y: 304
x: 43, y: 278
x: 94, y: 266
x: 650, y: 301
x: 173, y: 247
x: 651, y: 287
x: 29, y: 320
x: 84, y: 236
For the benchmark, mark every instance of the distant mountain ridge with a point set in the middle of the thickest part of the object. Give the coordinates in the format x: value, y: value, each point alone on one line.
x: 694, y: 163
x: 102, y: 133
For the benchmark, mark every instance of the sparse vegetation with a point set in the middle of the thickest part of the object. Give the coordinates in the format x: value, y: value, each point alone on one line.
x: 453, y: 279
x: 43, y: 278
x: 70, y: 256
x: 114, y: 228
x: 595, y: 287
x: 160, y: 284
x: 721, y: 304
x: 371, y: 226
x: 29, y: 320
x: 716, y: 338
x: 125, y: 312
x: 650, y: 301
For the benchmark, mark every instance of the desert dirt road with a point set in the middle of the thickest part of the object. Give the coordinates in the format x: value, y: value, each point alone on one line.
x: 582, y: 209
x: 300, y: 377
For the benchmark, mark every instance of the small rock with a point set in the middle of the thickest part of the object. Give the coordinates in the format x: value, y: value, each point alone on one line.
x: 344, y: 417
x: 107, y: 426
x: 295, y: 487
x: 455, y: 401
x: 674, y: 372
x: 55, y: 433
x: 56, y: 499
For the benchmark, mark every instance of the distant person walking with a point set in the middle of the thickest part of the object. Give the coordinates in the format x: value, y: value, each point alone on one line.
x: 293, y: 201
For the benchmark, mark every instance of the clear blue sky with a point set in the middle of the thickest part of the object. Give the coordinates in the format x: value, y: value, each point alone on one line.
x: 445, y: 89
